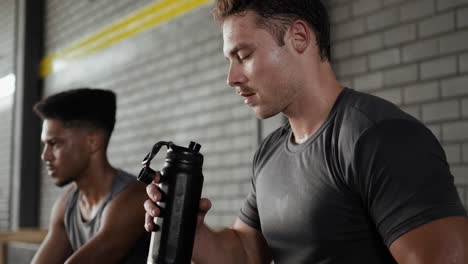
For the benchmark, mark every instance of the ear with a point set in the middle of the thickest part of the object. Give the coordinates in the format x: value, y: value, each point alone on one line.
x: 300, y: 35
x: 93, y: 140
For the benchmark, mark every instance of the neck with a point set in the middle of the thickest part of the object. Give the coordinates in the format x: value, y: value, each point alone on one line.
x: 314, y: 103
x: 95, y: 182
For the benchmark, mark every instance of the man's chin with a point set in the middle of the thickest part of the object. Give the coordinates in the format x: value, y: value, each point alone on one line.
x: 62, y: 183
x: 264, y: 115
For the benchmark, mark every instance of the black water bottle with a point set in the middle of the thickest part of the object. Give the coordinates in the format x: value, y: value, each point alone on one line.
x: 181, y: 186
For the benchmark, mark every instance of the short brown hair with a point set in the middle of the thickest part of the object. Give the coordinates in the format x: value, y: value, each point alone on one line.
x: 276, y: 15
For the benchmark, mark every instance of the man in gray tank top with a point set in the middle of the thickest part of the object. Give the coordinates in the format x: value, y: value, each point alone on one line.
x: 99, y: 218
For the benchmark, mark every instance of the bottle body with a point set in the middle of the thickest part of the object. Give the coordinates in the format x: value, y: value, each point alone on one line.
x: 181, y: 185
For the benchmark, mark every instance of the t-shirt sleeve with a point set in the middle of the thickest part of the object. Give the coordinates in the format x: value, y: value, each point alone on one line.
x: 249, y: 212
x: 404, y: 178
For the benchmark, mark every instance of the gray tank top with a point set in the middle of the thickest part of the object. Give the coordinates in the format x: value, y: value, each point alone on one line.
x: 79, y: 231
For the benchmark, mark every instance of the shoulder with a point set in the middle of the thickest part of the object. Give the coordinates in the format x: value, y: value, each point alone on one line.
x: 127, y: 204
x: 399, y: 137
x: 125, y: 177
x: 371, y: 107
x: 134, y: 188
x: 126, y: 190
x: 362, y: 120
x: 62, y: 203
x: 360, y: 113
x: 131, y: 192
x: 124, y: 183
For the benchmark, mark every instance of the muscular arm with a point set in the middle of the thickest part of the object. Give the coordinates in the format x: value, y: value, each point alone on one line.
x: 56, y: 248
x: 122, y: 225
x: 437, y: 242
x: 237, y: 244
x: 410, y: 195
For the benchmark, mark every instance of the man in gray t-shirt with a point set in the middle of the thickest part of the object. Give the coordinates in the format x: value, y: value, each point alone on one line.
x: 350, y: 186
x: 87, y: 224
x: 350, y: 179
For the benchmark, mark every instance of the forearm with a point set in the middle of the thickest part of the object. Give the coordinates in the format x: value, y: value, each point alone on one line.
x: 54, y: 249
x: 97, y: 256
x: 97, y: 251
x: 218, y: 246
x: 49, y: 257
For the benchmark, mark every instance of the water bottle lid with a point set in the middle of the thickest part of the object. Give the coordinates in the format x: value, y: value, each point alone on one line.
x: 194, y: 146
x: 190, y: 155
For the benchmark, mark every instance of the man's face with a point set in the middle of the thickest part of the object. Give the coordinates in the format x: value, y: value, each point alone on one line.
x: 261, y: 71
x: 66, y: 154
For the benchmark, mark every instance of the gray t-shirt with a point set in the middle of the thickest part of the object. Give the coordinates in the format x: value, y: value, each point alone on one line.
x: 79, y: 231
x: 370, y: 174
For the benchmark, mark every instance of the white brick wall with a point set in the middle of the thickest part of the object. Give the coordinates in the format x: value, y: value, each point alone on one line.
x: 447, y: 4
x: 455, y: 131
x: 441, y: 111
x: 438, y: 68
x: 454, y: 42
x: 360, y: 7
x: 382, y: 19
x: 462, y: 17
x: 421, y: 92
x: 369, y: 82
x: 463, y: 61
x: 7, y: 27
x: 437, y: 24
x: 420, y: 50
x: 415, y: 54
x: 453, y: 153
x: 399, y: 35
x: 382, y: 59
x: 392, y: 95
x: 465, y: 152
x: 366, y: 43
x: 456, y: 86
x: 416, y: 9
x: 401, y: 75
x: 465, y: 107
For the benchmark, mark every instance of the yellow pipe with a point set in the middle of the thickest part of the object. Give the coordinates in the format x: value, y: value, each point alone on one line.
x: 141, y: 20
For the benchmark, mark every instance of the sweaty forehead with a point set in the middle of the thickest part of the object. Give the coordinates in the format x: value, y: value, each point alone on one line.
x: 238, y: 29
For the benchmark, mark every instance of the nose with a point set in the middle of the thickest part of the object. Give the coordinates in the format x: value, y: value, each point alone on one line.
x: 235, y: 77
x: 46, y: 154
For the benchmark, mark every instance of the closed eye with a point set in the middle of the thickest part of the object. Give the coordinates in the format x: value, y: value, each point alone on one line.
x: 51, y: 143
x: 244, y: 57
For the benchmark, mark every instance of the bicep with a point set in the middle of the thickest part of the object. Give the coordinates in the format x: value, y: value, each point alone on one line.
x: 404, y: 179
x: 440, y: 241
x: 253, y: 242
x: 122, y: 225
x: 124, y: 218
